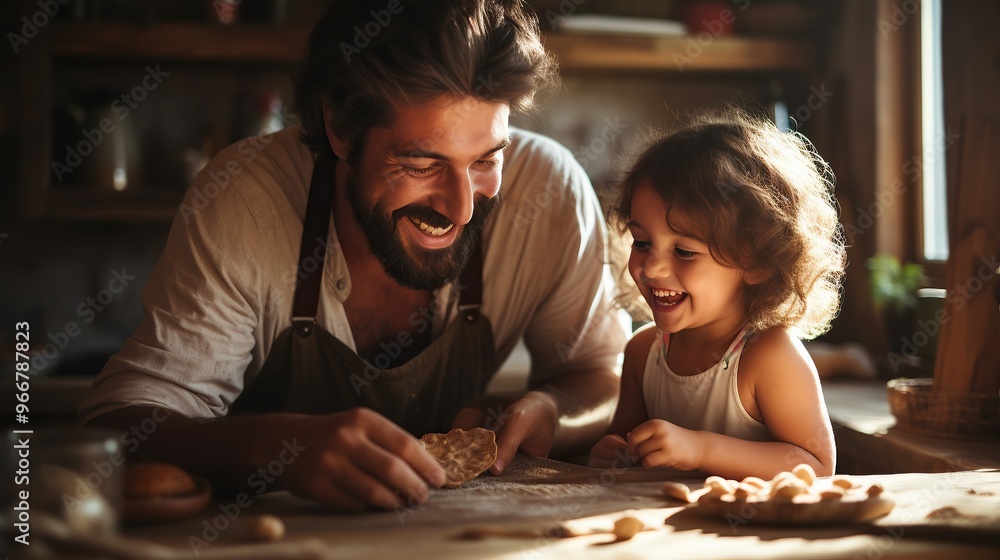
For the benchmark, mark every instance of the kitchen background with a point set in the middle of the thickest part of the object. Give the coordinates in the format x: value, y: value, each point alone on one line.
x: 84, y: 211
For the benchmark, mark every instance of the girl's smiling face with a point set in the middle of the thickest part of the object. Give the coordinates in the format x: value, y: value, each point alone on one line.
x: 686, y: 288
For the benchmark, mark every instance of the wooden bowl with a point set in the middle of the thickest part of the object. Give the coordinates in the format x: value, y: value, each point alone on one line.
x: 167, y: 508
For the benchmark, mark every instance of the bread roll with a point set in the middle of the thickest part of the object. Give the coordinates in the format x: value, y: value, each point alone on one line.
x: 157, y: 480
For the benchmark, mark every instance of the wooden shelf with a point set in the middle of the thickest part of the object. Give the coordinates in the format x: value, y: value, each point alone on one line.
x: 284, y: 44
x: 83, y: 204
x: 679, y: 54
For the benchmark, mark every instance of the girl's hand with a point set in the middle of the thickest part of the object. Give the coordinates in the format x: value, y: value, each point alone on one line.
x: 659, y: 443
x: 611, y: 452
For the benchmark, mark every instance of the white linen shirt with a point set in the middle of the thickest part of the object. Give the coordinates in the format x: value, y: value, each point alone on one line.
x: 222, y: 290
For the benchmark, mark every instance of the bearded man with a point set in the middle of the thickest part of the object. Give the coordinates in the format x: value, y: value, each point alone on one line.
x: 357, y: 280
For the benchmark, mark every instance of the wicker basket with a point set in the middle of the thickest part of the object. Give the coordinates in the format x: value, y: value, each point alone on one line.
x: 919, y: 408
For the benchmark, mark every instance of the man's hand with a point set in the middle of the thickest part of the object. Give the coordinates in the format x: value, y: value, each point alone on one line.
x: 659, y: 443
x: 357, y: 459
x: 528, y: 424
x: 350, y: 460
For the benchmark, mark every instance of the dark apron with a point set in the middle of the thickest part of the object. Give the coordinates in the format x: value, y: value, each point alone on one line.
x: 310, y: 371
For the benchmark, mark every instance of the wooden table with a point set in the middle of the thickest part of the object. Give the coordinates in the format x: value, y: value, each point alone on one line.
x: 869, y: 442
x: 536, y: 495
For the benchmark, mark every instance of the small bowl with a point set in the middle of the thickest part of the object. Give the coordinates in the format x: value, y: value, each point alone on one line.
x: 167, y: 508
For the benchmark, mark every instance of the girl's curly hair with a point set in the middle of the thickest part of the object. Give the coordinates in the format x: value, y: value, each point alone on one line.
x: 762, y: 200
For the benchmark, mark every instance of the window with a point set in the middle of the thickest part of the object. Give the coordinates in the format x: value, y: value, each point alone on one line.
x: 933, y: 135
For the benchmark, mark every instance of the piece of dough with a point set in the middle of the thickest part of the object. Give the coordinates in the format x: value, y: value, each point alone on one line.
x: 463, y: 454
x: 156, y: 480
x: 794, y: 498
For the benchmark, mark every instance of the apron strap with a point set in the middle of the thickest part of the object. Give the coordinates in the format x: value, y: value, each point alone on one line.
x: 471, y: 281
x: 312, y: 250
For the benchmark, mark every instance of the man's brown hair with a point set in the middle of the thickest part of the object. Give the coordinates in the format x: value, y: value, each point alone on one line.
x: 365, y: 57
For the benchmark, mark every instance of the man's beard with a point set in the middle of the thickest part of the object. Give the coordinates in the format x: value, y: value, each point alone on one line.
x: 425, y: 269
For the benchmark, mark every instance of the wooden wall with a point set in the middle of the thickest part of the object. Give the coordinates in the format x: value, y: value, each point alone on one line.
x: 847, y: 139
x: 968, y: 358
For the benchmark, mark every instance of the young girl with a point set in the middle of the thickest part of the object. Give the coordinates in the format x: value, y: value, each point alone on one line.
x: 738, y: 253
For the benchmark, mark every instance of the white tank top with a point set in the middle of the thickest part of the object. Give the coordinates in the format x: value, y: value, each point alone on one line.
x: 708, y: 401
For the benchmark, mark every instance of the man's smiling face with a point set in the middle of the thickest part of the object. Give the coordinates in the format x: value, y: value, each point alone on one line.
x: 423, y: 188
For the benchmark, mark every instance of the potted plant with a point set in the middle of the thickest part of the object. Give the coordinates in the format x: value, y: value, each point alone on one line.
x: 894, y: 292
